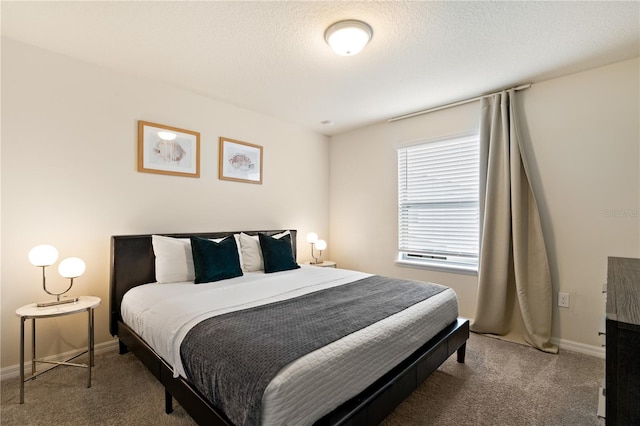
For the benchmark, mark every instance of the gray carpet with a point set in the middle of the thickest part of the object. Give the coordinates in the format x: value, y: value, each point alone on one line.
x: 501, y: 383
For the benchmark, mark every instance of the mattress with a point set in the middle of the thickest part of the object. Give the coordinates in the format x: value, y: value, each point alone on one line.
x: 314, y: 385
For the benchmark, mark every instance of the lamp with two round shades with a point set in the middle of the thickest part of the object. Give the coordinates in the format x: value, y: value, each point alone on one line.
x: 316, y: 244
x: 72, y: 267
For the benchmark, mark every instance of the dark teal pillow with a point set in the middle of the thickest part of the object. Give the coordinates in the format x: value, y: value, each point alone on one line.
x: 215, y: 261
x: 277, y: 253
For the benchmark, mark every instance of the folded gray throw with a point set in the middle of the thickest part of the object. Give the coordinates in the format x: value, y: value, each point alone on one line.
x: 232, y: 358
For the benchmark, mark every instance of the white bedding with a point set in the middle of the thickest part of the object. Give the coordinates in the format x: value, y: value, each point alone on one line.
x: 312, y: 386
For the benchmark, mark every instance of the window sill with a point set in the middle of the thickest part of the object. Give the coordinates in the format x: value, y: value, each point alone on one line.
x: 454, y: 269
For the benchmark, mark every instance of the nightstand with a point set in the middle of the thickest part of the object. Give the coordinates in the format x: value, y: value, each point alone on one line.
x: 325, y: 264
x: 32, y: 312
x: 622, y: 366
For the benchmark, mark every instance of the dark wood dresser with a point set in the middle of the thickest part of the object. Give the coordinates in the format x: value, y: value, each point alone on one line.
x: 623, y: 342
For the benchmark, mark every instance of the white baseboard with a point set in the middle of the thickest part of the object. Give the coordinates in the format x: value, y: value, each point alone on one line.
x: 597, y: 351
x: 14, y: 370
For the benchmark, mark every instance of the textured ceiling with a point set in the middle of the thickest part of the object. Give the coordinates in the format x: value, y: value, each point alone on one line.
x: 271, y: 57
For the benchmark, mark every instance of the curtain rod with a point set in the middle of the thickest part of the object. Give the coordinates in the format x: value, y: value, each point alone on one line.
x: 466, y: 101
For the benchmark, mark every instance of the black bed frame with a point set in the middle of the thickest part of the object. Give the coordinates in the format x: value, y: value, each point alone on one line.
x: 133, y: 264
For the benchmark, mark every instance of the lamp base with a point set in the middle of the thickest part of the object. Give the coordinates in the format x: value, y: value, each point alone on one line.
x: 57, y: 302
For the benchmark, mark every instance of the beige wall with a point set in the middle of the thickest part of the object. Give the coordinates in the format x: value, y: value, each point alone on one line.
x: 583, y: 150
x: 584, y: 144
x: 69, y: 178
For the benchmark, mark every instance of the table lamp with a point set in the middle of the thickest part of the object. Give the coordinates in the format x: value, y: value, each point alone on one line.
x: 72, y: 267
x: 312, y: 238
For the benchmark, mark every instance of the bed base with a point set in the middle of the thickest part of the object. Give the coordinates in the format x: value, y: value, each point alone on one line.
x: 368, y: 408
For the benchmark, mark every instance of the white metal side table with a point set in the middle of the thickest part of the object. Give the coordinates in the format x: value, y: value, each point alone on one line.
x: 32, y: 312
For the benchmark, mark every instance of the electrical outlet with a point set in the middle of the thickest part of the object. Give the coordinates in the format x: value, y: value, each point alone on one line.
x: 563, y: 300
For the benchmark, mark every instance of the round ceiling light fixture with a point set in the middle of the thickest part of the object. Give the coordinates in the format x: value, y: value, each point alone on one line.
x: 349, y: 37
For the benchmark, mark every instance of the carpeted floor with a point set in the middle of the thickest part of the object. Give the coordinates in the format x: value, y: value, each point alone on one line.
x: 501, y: 383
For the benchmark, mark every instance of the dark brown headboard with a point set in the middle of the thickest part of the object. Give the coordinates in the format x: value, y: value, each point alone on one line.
x: 133, y: 264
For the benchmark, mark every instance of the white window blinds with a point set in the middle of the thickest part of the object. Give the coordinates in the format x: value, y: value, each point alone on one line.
x: 438, y: 202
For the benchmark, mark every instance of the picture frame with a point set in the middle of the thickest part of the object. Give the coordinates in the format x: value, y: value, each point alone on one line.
x: 240, y: 161
x: 168, y: 150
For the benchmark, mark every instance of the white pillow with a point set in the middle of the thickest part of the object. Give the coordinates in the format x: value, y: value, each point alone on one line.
x: 174, y: 260
x: 251, y: 255
x: 237, y: 238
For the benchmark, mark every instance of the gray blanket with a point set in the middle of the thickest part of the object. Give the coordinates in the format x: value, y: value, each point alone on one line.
x: 232, y: 358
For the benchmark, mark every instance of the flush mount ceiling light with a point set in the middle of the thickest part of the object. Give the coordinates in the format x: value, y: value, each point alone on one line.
x: 348, y: 38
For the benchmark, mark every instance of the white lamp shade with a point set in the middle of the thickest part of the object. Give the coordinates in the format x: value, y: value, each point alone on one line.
x: 167, y: 136
x: 72, y: 267
x: 321, y: 245
x: 43, y: 255
x: 349, y: 37
x: 312, y: 237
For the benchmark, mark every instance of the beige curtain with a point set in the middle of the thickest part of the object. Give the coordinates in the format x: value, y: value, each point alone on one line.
x: 513, y: 265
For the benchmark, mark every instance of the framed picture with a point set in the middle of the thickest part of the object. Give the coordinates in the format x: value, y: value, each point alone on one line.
x: 168, y: 150
x: 240, y: 161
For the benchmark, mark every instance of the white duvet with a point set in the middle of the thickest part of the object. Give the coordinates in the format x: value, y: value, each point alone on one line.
x: 314, y: 385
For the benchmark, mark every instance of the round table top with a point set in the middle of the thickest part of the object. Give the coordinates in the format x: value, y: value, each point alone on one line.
x: 33, y: 311
x: 325, y: 263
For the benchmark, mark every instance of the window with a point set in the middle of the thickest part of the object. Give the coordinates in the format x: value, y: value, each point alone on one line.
x: 438, y: 204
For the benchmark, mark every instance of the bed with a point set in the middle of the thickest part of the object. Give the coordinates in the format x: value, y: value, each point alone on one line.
x: 363, y: 398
